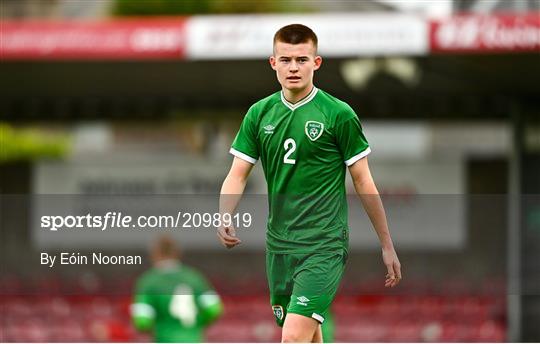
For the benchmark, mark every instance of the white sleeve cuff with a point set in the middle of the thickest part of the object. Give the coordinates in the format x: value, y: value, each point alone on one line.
x: 142, y: 309
x: 242, y: 156
x: 358, y: 156
x: 209, y: 299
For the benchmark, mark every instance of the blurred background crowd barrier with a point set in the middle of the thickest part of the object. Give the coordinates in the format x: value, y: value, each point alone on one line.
x: 143, y: 98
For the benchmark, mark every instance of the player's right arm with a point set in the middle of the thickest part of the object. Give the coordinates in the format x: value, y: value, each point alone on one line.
x: 231, y: 192
x: 142, y: 311
x: 246, y: 153
x: 142, y: 316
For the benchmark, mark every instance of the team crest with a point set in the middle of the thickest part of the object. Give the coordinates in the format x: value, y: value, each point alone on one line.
x: 314, y: 130
x: 278, y: 311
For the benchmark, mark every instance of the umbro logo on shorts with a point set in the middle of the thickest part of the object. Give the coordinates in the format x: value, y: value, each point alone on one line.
x: 278, y: 311
x: 302, y: 300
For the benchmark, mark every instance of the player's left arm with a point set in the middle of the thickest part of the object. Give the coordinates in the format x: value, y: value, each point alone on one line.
x: 211, y: 308
x: 208, y: 301
x: 369, y: 195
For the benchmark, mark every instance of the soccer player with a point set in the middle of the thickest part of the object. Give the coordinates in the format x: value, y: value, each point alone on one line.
x: 305, y: 139
x: 173, y: 300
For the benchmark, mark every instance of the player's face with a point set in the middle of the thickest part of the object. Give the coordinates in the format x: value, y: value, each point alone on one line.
x: 295, y: 64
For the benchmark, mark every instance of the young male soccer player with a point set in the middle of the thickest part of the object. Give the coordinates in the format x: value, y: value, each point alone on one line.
x: 173, y: 300
x: 304, y: 138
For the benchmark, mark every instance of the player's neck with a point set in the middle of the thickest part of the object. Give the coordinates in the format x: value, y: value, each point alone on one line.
x: 167, y: 263
x: 294, y: 97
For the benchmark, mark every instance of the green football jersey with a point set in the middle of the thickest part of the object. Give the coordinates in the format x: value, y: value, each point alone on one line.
x: 304, y: 149
x: 175, y: 302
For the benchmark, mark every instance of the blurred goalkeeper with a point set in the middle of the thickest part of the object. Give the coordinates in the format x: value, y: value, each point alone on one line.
x: 173, y: 301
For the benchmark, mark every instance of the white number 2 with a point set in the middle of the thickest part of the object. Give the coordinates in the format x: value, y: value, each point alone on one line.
x: 183, y: 306
x: 290, y: 147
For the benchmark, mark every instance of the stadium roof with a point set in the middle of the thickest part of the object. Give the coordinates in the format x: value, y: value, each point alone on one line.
x: 455, y: 86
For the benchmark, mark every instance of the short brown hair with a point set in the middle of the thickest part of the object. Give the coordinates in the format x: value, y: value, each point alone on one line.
x: 165, y: 248
x: 296, y: 34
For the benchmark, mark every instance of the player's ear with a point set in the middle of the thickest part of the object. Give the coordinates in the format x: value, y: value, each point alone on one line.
x: 318, y: 62
x: 272, y: 61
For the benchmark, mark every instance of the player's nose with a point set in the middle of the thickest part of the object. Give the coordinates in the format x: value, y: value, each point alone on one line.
x: 293, y: 66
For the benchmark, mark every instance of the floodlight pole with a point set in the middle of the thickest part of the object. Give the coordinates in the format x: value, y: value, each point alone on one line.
x: 514, y: 228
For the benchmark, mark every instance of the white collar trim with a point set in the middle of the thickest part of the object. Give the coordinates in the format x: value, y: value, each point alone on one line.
x: 304, y: 101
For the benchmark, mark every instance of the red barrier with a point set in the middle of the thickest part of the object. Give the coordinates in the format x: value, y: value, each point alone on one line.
x: 486, y: 33
x: 115, y: 39
x: 173, y: 37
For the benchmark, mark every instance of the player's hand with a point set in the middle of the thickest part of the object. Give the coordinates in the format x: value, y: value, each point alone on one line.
x: 227, y: 236
x: 391, y: 261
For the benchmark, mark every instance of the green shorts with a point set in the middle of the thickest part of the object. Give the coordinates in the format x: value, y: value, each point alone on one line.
x: 303, y: 284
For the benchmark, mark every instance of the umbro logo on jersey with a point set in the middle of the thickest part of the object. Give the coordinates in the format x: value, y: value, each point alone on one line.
x: 269, y: 129
x: 278, y: 311
x: 314, y: 130
x: 302, y: 300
